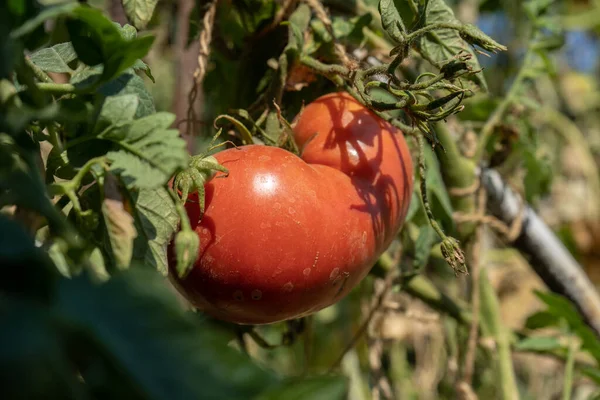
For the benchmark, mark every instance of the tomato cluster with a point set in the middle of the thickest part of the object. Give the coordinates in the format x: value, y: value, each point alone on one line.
x: 285, y: 236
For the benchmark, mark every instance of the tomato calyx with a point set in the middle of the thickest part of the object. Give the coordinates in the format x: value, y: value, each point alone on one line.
x: 201, y: 169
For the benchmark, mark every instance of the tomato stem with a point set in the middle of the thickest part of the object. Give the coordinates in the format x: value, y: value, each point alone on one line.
x: 451, y: 250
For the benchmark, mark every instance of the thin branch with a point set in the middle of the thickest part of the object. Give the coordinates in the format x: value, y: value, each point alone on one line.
x: 474, y: 260
x: 492, y: 325
x: 568, y: 385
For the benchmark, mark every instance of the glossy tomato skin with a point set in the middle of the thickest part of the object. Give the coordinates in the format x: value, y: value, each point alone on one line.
x: 282, y: 236
x: 337, y: 131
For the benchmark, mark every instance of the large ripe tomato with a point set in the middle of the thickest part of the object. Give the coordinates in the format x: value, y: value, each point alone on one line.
x: 285, y: 236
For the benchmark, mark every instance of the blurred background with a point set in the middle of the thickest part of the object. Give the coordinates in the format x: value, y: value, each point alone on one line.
x: 421, y: 357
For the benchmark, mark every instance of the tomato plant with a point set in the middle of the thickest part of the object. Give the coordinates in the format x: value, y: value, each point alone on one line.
x: 102, y: 103
x: 284, y: 236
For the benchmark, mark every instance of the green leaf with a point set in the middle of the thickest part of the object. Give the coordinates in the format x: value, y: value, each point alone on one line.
x: 345, y: 28
x: 121, y: 231
x: 163, y: 351
x: 33, y: 360
x: 563, y: 309
x: 127, y: 55
x: 542, y: 319
x: 55, y: 58
x: 478, y: 107
x: 415, y: 204
x: 97, y: 40
x: 149, y: 152
x: 392, y: 21
x: 118, y: 109
x: 19, y: 117
x: 139, y: 11
x: 59, y: 259
x: 88, y: 42
x: 129, y: 83
x: 425, y: 241
x: 540, y: 343
x: 22, y: 185
x: 476, y: 37
x: 313, y: 388
x: 127, y: 31
x: 37, y: 21
x: 538, y: 178
x: 437, y: 192
x: 298, y: 23
x: 97, y: 265
x: 592, y: 373
x: 439, y: 46
x: 156, y: 220
x: 560, y: 307
x: 87, y: 77
x: 20, y: 259
x: 535, y: 8
x: 139, y: 65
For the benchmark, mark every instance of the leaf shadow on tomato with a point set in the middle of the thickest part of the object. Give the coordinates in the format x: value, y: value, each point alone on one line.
x: 360, y: 144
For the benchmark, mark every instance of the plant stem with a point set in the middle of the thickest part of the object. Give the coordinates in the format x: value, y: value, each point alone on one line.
x: 474, y: 256
x: 568, y: 385
x: 422, y: 171
x: 59, y: 88
x: 494, y: 119
x: 69, y: 188
x: 432, y: 27
x: 54, y: 138
x: 38, y: 72
x: 183, y: 217
x: 76, y: 181
x: 492, y: 324
x: 332, y: 71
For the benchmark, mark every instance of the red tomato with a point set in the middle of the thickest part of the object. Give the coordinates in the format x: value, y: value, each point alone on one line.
x: 284, y: 236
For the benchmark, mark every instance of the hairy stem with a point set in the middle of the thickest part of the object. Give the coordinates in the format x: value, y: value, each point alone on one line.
x: 38, y: 72
x: 332, y: 72
x: 57, y: 88
x: 422, y: 171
